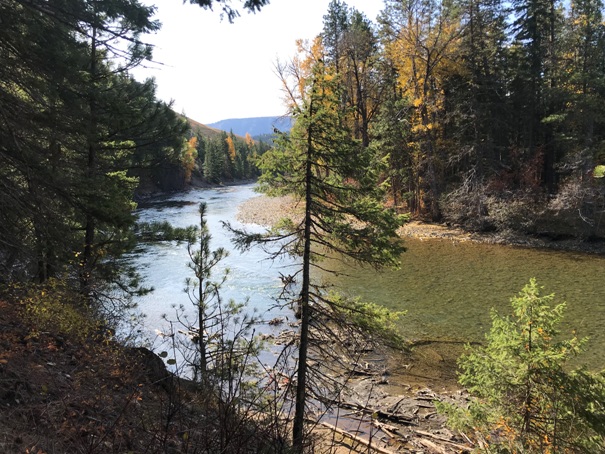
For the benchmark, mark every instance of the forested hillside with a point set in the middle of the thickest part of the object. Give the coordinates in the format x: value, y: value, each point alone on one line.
x: 215, y: 156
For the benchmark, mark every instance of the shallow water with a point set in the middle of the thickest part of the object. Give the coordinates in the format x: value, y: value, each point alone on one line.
x: 447, y: 288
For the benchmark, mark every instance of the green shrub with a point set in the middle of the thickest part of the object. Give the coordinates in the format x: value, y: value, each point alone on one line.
x: 53, y: 307
x: 524, y: 398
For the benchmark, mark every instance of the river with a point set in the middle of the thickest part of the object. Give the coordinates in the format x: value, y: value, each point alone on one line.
x: 163, y: 266
x: 447, y: 288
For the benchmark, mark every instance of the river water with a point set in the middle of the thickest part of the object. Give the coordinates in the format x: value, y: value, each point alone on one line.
x: 447, y: 288
x: 163, y: 266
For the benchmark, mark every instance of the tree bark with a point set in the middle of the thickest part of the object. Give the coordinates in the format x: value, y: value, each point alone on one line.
x: 301, y: 396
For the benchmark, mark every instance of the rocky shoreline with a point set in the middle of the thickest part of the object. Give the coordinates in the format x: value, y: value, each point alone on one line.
x: 267, y: 211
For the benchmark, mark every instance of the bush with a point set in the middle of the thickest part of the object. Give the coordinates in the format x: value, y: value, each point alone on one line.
x: 518, y: 212
x: 466, y: 206
x: 55, y: 308
x: 524, y: 398
x: 477, y: 207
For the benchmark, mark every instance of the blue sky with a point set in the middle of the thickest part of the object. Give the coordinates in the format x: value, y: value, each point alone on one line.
x: 214, y: 70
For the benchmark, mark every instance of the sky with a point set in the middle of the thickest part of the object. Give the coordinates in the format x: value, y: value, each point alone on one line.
x: 213, y: 70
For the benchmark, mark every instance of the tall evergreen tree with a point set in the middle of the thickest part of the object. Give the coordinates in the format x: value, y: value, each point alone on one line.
x: 214, y: 159
x: 351, y: 48
x: 477, y: 113
x: 585, y: 82
x: 75, y: 124
x: 330, y: 173
x: 391, y: 132
x: 335, y: 25
x: 536, y: 31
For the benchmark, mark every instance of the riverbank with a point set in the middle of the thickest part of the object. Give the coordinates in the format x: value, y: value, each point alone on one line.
x: 267, y: 211
x: 404, y: 383
x: 432, y: 363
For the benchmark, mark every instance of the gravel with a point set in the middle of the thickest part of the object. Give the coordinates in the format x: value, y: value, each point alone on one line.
x: 268, y: 211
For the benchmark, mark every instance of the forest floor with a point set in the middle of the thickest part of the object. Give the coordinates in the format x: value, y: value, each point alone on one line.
x: 60, y: 395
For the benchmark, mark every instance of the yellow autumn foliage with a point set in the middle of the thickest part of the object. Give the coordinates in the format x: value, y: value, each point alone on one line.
x: 231, y: 148
x: 189, y: 157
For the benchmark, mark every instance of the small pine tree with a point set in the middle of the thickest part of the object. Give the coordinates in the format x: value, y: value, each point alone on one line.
x: 218, y: 349
x: 524, y: 397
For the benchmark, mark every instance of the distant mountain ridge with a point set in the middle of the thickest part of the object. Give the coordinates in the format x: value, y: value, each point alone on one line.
x: 255, y: 126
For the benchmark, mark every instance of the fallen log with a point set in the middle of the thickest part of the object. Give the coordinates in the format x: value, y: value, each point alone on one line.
x: 433, y: 446
x: 422, y: 433
x: 394, y: 417
x: 391, y: 431
x: 356, y: 438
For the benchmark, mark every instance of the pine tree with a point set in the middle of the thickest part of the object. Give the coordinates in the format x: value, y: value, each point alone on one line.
x: 69, y: 140
x: 214, y: 159
x: 582, y: 122
x: 525, y: 399
x: 351, y: 49
x: 330, y: 173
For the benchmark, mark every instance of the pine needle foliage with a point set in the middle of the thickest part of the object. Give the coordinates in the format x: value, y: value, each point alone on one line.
x: 330, y: 174
x: 525, y: 397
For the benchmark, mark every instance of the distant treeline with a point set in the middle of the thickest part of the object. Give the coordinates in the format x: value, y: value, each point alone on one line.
x: 226, y: 157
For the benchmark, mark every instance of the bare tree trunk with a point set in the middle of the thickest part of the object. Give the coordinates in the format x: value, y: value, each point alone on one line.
x: 301, y: 390
x: 89, y: 227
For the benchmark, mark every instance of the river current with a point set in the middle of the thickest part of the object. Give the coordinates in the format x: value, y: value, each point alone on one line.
x: 447, y: 288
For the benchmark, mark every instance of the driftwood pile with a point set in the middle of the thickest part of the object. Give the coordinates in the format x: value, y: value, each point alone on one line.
x: 378, y: 412
x: 396, y: 424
